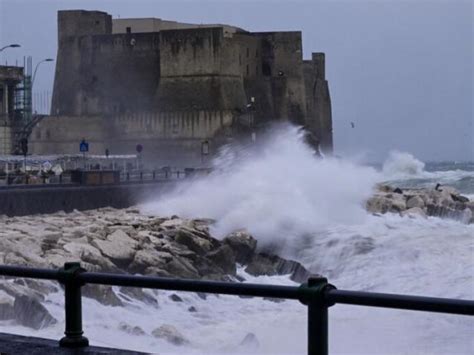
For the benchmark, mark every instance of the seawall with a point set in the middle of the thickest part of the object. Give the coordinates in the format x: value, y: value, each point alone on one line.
x: 36, y: 200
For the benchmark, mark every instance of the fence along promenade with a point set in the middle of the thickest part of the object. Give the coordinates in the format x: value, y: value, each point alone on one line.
x: 317, y: 294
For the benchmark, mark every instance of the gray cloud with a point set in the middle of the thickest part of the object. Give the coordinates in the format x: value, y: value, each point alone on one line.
x: 401, y: 71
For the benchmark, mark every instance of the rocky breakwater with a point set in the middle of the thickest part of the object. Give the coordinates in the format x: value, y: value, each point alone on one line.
x: 440, y: 201
x: 122, y: 241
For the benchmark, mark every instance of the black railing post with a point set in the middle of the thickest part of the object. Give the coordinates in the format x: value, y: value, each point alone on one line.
x: 73, y: 307
x: 313, y: 295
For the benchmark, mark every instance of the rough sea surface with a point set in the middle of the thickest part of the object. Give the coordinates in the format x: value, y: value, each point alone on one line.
x: 310, y: 210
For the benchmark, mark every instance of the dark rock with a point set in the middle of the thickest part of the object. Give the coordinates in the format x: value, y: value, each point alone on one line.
x: 459, y: 198
x: 6, y: 307
x: 138, y: 294
x: 398, y: 190
x: 263, y: 264
x: 243, y: 245
x: 171, y: 334
x: 250, y: 342
x: 175, y: 298
x: 192, y: 309
x: 192, y: 242
x: 202, y: 295
x: 130, y: 329
x: 180, y: 267
x: 224, y: 258
x: 31, y: 313
x: 103, y: 294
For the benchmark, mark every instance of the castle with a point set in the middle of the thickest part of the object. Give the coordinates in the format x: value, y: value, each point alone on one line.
x: 171, y: 86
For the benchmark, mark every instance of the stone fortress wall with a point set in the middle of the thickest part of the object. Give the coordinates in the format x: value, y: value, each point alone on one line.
x: 170, y: 86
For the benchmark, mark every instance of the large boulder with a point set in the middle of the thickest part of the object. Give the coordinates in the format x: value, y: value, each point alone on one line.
x: 243, y: 245
x: 146, y: 258
x: 224, y: 258
x: 103, y: 294
x: 170, y: 334
x: 415, y: 201
x: 29, y: 312
x: 192, y: 242
x: 118, y: 246
x: 270, y: 265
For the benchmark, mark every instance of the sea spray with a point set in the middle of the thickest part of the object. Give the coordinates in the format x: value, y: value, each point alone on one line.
x: 278, y: 189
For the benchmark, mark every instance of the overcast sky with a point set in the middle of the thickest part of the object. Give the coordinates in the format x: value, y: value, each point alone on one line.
x: 402, y: 71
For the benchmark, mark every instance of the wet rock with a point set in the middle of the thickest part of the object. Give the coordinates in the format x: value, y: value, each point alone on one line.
x: 118, y: 246
x: 250, y: 342
x: 242, y: 244
x: 194, y: 243
x: 103, y: 294
x: 139, y: 295
x: 31, y: 313
x: 175, y: 298
x: 415, y: 201
x: 149, y: 257
x: 127, y: 328
x: 270, y: 265
x: 180, y: 267
x: 224, y: 258
x: 192, y: 309
x: 6, y: 306
x: 171, y: 334
x: 414, y: 212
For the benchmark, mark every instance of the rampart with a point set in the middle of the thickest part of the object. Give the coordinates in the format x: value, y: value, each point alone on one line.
x: 170, y: 86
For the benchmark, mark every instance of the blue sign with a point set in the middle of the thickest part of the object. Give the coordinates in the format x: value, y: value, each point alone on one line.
x: 84, y: 146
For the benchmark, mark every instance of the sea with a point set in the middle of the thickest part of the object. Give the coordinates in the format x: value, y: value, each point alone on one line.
x: 311, y: 210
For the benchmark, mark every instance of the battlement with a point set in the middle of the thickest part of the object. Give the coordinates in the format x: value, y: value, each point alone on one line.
x: 107, y: 68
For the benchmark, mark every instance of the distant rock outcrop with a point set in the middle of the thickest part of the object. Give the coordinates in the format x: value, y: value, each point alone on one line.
x: 441, y: 201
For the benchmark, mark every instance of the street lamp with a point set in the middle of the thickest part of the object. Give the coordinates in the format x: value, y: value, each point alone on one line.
x: 10, y: 46
x: 36, y: 68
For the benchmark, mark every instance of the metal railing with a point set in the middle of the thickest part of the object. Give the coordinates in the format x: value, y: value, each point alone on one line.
x: 317, y: 294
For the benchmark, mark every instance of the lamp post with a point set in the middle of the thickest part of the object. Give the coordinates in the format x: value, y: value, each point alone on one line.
x: 14, y: 45
x: 36, y: 68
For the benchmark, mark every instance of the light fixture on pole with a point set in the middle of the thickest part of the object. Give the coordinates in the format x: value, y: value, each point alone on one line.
x: 14, y: 45
x: 36, y: 68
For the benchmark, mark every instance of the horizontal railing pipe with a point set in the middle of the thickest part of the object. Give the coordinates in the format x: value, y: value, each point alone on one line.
x: 21, y: 271
x: 162, y: 283
x: 414, y: 303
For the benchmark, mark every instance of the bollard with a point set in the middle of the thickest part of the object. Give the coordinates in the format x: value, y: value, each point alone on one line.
x: 73, y: 307
x: 312, y: 295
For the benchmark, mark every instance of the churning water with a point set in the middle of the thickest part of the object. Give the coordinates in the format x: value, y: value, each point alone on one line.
x: 311, y: 210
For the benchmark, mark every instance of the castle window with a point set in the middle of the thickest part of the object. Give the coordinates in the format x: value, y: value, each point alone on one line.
x: 256, y: 53
x: 97, y: 22
x: 38, y: 134
x: 256, y: 70
x: 48, y: 134
x: 247, y: 70
x: 240, y: 59
x: 129, y: 30
x: 266, y: 69
x: 248, y: 52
